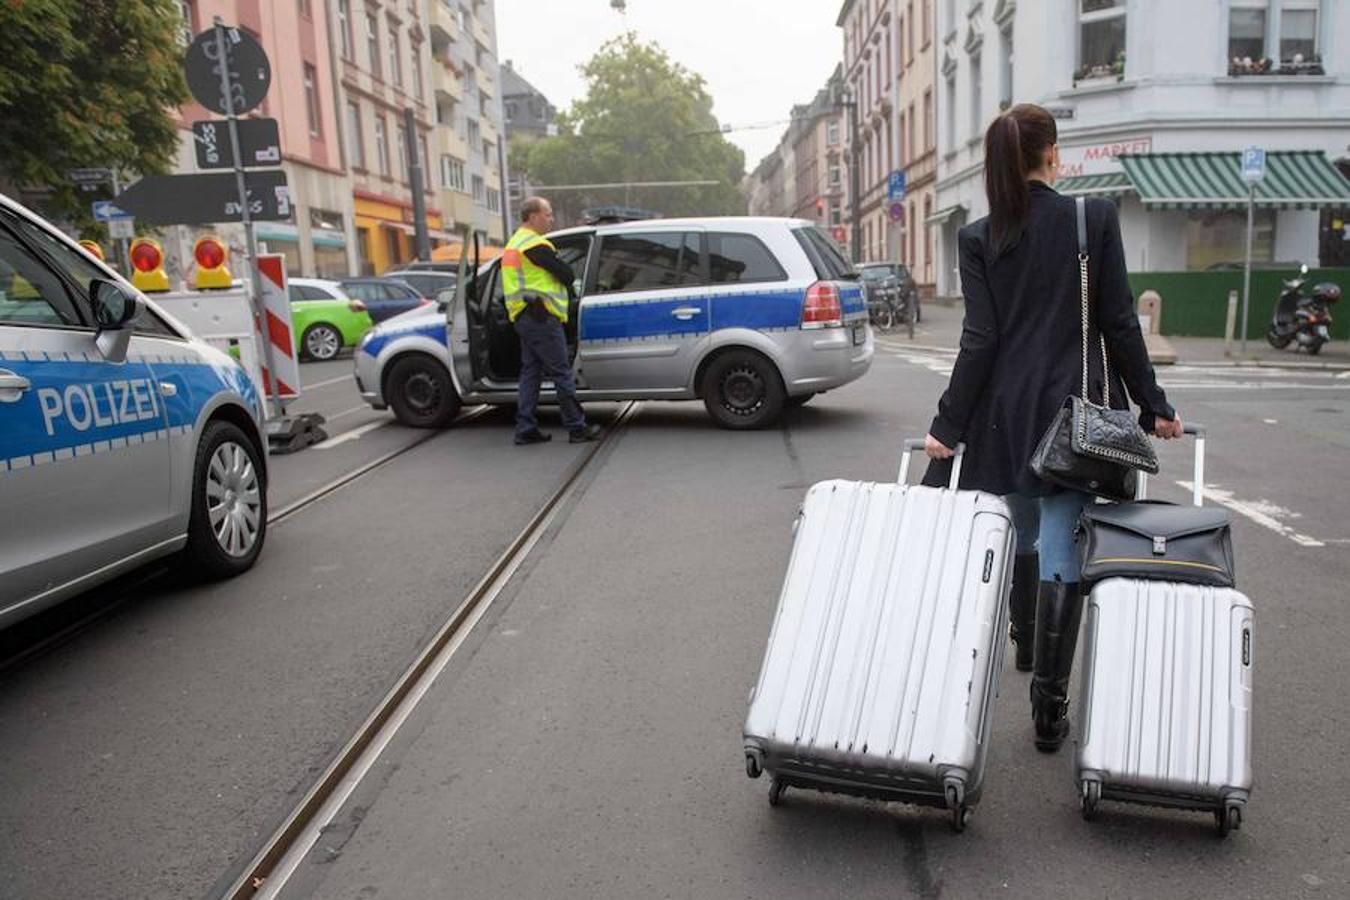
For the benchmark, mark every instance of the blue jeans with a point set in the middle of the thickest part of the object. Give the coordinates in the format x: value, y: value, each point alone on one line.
x: 1046, y: 525
x: 543, y: 354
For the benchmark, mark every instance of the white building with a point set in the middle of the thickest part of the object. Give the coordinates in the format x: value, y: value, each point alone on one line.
x: 1155, y: 101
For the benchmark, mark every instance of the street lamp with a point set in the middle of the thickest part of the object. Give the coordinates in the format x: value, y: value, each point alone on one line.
x: 845, y: 99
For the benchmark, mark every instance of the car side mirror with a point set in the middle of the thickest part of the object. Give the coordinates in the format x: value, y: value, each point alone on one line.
x: 115, y: 309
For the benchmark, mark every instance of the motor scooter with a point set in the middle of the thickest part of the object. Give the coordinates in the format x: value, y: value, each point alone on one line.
x: 1301, y: 319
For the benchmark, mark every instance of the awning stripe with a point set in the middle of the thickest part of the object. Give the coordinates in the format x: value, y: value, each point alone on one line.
x: 1294, y: 180
x: 1103, y: 183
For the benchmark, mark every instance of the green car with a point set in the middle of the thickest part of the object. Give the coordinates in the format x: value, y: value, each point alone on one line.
x: 324, y: 318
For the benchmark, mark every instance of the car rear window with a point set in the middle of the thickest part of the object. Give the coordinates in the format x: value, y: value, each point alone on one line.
x: 740, y: 259
x: 829, y: 261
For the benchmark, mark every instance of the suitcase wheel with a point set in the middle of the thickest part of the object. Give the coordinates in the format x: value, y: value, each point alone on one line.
x: 1228, y: 819
x: 776, y: 791
x: 752, y: 766
x: 956, y: 795
x: 1090, y: 795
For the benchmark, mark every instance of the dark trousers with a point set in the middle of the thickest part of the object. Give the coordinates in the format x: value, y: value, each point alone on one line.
x: 543, y: 354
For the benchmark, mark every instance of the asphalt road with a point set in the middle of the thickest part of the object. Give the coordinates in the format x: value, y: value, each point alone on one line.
x: 586, y: 740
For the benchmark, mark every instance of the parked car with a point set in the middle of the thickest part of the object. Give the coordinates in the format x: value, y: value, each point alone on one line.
x: 324, y: 319
x: 873, y: 272
x: 431, y: 285
x: 749, y: 315
x: 384, y: 297
x: 122, y: 438
x: 424, y: 265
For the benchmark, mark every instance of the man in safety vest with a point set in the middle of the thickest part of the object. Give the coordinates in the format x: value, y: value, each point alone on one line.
x: 537, y: 286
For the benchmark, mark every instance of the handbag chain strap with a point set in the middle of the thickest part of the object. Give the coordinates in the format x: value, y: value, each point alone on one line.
x: 1083, y: 289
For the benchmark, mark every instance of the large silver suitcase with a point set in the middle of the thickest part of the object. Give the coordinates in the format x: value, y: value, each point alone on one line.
x: 884, y: 657
x: 1167, y: 694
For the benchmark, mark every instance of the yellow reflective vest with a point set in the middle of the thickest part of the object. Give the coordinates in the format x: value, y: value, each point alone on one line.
x: 522, y: 278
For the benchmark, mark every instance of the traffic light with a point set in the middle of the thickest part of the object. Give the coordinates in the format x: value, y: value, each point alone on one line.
x: 211, y: 272
x: 92, y: 248
x: 147, y: 265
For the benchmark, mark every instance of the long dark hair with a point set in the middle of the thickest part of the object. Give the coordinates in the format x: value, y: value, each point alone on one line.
x: 1014, y: 145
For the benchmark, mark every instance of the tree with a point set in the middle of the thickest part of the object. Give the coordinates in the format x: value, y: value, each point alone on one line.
x: 644, y: 118
x: 87, y: 83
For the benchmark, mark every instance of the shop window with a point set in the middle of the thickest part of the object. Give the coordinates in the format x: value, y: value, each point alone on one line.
x: 1215, y: 239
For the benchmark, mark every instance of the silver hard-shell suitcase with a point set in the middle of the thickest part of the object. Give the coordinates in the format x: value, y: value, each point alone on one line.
x: 1167, y: 694
x: 884, y: 657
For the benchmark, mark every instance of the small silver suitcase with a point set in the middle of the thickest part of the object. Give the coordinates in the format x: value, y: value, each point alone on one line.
x: 1167, y: 694
x: 884, y: 657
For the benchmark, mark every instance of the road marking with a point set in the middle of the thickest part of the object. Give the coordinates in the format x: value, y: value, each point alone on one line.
x: 354, y: 434
x: 347, y: 412
x: 1344, y: 375
x: 1262, y: 512
x: 1271, y: 421
x: 939, y: 365
x: 326, y: 382
x: 1249, y: 386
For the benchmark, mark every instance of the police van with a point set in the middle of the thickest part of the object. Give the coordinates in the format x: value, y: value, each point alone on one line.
x: 122, y: 438
x: 750, y: 315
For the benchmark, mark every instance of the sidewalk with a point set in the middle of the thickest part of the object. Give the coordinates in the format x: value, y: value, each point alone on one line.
x: 941, y: 330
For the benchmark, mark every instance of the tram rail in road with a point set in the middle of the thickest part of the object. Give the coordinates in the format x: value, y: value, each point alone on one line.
x: 273, y: 864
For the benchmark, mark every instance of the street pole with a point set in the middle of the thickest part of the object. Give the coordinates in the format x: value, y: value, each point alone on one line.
x: 121, y: 251
x: 506, y: 201
x: 255, y: 276
x: 855, y: 179
x: 1247, y: 267
x: 421, y: 237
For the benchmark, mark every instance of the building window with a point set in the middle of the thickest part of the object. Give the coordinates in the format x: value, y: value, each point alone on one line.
x: 475, y: 133
x: 836, y: 214
x: 904, y: 141
x: 415, y: 57
x: 914, y: 149
x: 479, y: 190
x: 312, y: 100
x: 1101, y: 38
x: 976, y: 95
x: 188, y: 30
x: 489, y: 150
x: 1298, y: 32
x: 345, y: 42
x: 929, y: 122
x: 1005, y: 70
x: 424, y: 160
x: 354, y: 135
x: 452, y: 173
x: 927, y: 21
x: 395, y: 56
x: 1246, y: 34
x: 373, y: 42
x: 381, y: 145
x: 510, y: 110
x: 305, y: 8
x: 836, y: 176
x: 494, y: 200
x: 927, y: 239
x: 401, y: 140
x: 1221, y: 237
x: 832, y: 133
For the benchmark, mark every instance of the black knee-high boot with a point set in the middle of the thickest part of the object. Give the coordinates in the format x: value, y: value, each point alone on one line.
x: 1022, y: 628
x: 1058, y: 611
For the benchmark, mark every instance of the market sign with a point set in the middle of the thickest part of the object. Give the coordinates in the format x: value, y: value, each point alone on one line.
x: 1101, y: 158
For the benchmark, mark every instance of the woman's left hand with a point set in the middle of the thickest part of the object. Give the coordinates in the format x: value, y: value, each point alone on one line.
x: 936, y: 449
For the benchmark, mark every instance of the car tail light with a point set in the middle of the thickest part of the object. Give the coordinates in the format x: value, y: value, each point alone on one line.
x: 356, y: 306
x: 822, y: 308
x: 423, y: 301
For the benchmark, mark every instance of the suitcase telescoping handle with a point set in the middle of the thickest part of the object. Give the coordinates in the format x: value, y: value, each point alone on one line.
x: 913, y: 444
x: 1198, y: 479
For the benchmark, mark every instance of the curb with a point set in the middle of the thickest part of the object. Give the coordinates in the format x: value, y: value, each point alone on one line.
x: 1264, y: 364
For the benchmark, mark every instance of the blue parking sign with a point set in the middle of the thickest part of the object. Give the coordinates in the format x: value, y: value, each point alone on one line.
x: 895, y: 186
x: 1253, y: 164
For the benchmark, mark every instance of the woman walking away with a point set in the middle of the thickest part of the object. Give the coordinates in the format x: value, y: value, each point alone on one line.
x: 1020, y: 358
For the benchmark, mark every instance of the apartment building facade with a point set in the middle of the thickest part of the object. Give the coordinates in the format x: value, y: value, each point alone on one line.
x: 870, y: 73
x: 917, y: 138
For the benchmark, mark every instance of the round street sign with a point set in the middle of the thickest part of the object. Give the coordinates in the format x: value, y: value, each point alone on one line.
x: 250, y: 71
x: 897, y: 212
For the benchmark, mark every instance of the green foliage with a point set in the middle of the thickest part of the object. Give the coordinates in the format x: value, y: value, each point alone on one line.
x: 644, y: 118
x: 87, y: 83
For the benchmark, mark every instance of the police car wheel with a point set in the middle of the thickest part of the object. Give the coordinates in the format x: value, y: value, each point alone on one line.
x: 421, y: 394
x: 228, y: 521
x: 742, y: 390
x: 321, y: 342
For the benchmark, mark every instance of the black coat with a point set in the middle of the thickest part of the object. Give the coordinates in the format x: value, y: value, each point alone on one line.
x: 1022, y: 337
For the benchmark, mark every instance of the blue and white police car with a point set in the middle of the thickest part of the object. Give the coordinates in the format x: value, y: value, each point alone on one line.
x: 122, y: 438
x: 747, y: 314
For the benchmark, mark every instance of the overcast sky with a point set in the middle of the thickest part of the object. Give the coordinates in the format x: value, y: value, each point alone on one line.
x: 759, y: 57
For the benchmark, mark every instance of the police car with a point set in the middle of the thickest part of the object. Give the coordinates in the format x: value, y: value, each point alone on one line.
x: 122, y: 438
x: 747, y: 314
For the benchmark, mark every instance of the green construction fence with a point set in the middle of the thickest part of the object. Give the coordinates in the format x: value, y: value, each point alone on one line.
x: 1196, y: 303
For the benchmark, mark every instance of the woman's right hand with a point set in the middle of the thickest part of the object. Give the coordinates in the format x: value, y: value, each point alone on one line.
x: 1168, y: 429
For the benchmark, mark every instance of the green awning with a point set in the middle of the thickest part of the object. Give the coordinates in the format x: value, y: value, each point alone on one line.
x: 1107, y: 184
x: 1300, y: 179
x: 946, y: 213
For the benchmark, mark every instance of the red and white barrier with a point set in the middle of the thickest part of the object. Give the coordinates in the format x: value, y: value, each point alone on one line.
x: 279, y: 332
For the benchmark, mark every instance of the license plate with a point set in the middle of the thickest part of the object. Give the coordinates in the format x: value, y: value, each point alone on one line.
x: 859, y: 334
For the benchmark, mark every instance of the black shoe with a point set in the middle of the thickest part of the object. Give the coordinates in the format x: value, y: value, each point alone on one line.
x: 584, y: 434
x: 1022, y: 630
x: 1058, y: 611
x: 533, y: 437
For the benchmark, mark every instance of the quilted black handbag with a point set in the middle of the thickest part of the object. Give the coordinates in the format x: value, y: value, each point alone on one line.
x: 1091, y: 447
x: 1156, y: 541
